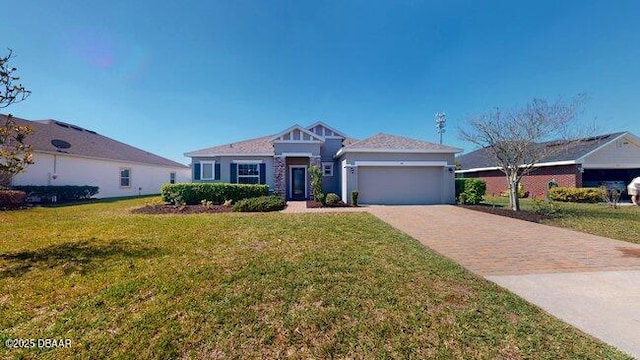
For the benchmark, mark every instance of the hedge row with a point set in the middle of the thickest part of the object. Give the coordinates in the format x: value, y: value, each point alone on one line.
x: 218, y: 193
x: 260, y: 204
x: 64, y: 193
x: 470, y: 191
x: 10, y: 199
x: 581, y: 195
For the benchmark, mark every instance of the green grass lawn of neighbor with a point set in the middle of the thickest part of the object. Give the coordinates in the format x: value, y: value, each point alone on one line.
x: 622, y: 223
x: 111, y: 284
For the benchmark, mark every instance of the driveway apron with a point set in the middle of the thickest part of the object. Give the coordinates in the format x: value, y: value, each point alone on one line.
x: 588, y: 281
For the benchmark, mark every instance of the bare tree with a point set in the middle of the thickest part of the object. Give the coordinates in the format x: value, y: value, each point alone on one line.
x: 15, y: 155
x: 514, y: 138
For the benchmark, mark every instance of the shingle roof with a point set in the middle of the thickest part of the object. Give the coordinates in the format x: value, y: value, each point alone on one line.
x: 261, y: 145
x: 481, y: 158
x: 393, y: 142
x: 86, y: 143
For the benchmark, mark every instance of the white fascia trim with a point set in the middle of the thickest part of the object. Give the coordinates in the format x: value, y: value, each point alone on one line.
x: 477, y: 169
x: 192, y: 155
x: 395, y: 151
x: 247, y: 161
x: 297, y: 154
x: 551, y: 163
x: 186, y: 167
x: 612, y: 166
x: 297, y: 142
x: 401, y: 163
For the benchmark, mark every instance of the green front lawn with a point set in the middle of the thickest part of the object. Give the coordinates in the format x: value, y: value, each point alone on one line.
x: 622, y: 223
x: 254, y: 286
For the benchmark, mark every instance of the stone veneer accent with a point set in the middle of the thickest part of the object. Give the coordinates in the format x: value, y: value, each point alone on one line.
x: 280, y: 176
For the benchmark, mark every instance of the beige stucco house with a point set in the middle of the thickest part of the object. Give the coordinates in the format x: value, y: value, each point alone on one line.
x: 66, y: 154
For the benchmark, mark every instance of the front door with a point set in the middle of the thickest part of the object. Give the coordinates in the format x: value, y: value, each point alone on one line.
x: 298, y: 183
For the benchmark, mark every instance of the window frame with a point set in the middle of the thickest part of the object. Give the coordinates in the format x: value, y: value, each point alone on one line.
x: 213, y: 170
x: 172, y: 177
x: 127, y: 177
x: 330, y: 164
x: 256, y: 175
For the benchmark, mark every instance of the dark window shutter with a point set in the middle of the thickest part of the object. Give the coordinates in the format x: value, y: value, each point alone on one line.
x: 217, y: 172
x: 263, y: 173
x: 196, y: 171
x: 234, y: 173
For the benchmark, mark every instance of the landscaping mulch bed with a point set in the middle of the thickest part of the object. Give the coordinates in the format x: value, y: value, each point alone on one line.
x: 522, y: 214
x: 316, y: 204
x: 188, y: 209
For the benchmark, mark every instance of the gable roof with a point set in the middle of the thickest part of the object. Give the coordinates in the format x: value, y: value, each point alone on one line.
x: 289, y: 135
x: 393, y: 143
x: 315, y: 127
x: 481, y: 158
x: 257, y: 146
x: 86, y: 143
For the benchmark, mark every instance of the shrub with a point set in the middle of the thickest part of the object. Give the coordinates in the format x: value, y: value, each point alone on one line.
x: 207, y: 204
x: 218, y: 193
x: 316, y: 182
x: 470, y: 191
x: 332, y: 199
x: 581, y: 195
x: 260, y: 204
x: 354, y: 197
x: 12, y: 198
x: 65, y: 193
x: 321, y: 198
x: 543, y: 207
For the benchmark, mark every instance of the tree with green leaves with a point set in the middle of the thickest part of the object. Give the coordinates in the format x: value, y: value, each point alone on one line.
x: 15, y: 155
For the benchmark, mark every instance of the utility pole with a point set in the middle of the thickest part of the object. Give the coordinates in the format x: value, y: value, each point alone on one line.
x: 440, y: 123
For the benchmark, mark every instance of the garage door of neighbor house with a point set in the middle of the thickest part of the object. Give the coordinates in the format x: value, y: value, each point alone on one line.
x: 401, y: 185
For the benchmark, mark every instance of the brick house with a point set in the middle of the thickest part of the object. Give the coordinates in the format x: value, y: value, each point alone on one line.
x: 611, y: 159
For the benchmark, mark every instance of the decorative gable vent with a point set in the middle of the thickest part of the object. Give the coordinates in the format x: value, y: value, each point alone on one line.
x: 297, y: 134
x: 322, y: 129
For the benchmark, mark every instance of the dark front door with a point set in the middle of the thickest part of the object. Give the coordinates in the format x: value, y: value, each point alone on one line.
x: 298, y: 183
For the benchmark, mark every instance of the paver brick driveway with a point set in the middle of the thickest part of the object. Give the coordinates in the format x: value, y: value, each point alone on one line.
x: 588, y: 281
x: 495, y: 245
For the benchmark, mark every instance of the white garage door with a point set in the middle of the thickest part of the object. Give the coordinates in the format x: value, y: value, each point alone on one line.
x: 400, y: 185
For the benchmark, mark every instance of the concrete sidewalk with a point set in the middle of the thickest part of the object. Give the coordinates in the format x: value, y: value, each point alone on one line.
x: 588, y: 281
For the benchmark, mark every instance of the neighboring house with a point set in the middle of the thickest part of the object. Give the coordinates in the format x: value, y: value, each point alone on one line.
x: 385, y: 169
x: 66, y: 154
x: 611, y: 160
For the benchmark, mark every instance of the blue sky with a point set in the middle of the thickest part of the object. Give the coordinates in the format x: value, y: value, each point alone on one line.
x: 170, y: 77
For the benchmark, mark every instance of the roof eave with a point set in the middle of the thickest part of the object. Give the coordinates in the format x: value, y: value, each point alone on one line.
x: 194, y: 154
x: 410, y: 151
x: 542, y: 164
x: 177, y: 164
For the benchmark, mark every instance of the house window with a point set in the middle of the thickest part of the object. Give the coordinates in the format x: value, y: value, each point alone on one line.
x: 172, y: 178
x: 125, y: 177
x: 327, y: 169
x: 248, y: 174
x: 208, y: 170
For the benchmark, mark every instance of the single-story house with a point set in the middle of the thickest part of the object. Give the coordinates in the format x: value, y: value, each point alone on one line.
x: 66, y: 154
x: 384, y: 169
x: 612, y: 160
